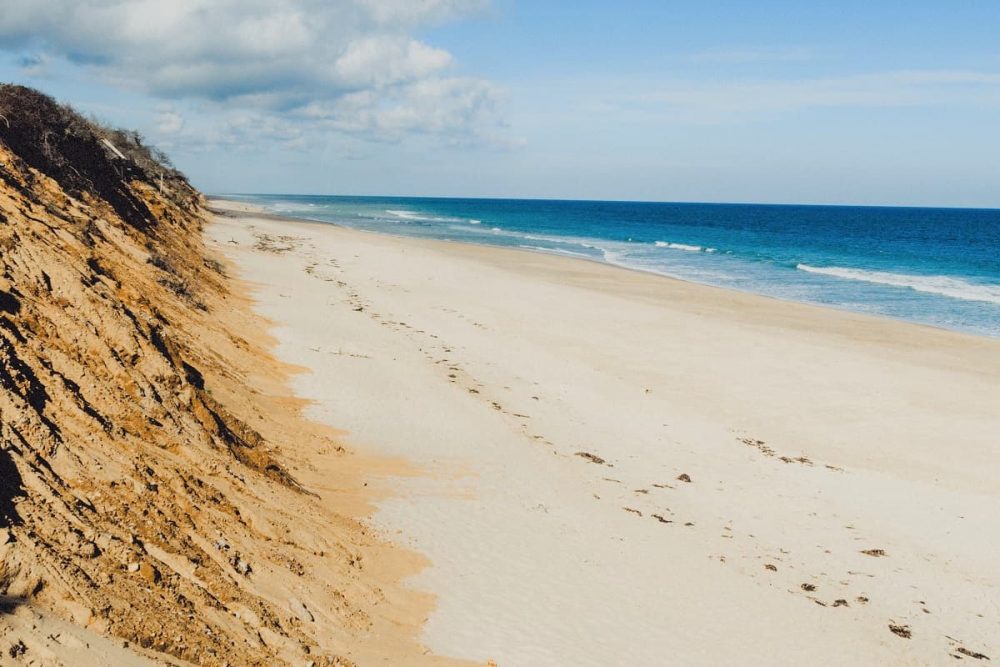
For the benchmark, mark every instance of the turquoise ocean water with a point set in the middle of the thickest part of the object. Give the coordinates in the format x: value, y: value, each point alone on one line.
x: 934, y: 266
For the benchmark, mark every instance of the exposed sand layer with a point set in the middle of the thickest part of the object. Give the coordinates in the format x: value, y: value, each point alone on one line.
x: 159, y: 488
x: 620, y: 468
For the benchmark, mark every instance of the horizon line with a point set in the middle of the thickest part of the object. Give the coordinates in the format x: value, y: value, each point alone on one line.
x: 610, y: 201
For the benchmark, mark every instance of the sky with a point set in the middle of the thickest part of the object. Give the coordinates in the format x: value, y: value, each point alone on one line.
x: 877, y: 102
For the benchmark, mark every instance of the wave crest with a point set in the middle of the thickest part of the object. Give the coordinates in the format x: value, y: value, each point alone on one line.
x: 682, y: 246
x: 413, y: 216
x: 954, y: 288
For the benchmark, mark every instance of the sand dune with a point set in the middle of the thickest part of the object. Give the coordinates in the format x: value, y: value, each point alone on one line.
x: 618, y: 468
x: 158, y: 495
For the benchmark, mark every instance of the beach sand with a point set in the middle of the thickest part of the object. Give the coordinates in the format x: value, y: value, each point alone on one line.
x: 620, y: 468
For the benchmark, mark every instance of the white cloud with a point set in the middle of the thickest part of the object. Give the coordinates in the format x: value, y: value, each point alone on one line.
x: 266, y: 56
x: 419, y: 11
x: 383, y: 61
x: 447, y: 107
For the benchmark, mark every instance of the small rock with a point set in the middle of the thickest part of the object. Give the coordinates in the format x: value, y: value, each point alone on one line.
x: 300, y: 610
x: 133, y: 567
x: 684, y: 477
x: 81, y: 614
x: 149, y: 573
x: 89, y: 550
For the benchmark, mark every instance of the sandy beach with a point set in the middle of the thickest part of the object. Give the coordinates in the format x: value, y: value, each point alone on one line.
x: 611, y: 467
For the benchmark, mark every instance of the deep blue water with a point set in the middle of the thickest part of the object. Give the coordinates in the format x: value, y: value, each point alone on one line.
x: 934, y: 266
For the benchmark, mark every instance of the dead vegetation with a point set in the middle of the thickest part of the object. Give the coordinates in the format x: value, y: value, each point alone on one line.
x: 60, y: 143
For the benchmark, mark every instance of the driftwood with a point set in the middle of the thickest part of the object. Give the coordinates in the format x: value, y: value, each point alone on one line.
x: 113, y: 149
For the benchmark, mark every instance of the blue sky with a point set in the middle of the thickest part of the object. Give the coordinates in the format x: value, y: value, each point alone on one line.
x: 849, y: 102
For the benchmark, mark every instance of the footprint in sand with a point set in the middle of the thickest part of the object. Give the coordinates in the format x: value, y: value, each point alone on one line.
x: 876, y: 553
x: 593, y: 458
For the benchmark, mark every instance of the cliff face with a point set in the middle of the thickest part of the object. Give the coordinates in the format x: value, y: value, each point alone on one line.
x: 132, y: 501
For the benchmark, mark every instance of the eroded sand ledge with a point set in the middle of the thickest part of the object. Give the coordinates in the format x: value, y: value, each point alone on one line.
x: 558, y: 407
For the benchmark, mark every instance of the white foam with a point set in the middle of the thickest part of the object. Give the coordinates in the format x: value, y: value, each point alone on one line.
x: 413, y: 216
x: 565, y: 240
x: 405, y: 215
x: 678, y: 246
x: 954, y: 288
x: 582, y: 243
x: 559, y: 251
x: 287, y: 206
x: 475, y: 222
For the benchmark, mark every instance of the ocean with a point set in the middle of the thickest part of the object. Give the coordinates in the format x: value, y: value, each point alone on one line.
x: 933, y: 266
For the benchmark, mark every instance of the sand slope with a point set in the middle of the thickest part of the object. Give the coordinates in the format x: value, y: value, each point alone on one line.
x: 156, y: 489
x: 842, y: 503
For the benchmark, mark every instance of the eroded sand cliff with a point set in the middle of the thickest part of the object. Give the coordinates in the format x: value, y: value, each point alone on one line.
x: 146, y: 438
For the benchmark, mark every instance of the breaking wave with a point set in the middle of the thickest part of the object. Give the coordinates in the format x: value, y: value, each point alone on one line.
x: 413, y: 216
x: 954, y: 288
x: 682, y: 246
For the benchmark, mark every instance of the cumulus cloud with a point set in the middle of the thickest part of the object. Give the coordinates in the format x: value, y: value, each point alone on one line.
x: 383, y: 61
x: 269, y: 57
x: 419, y: 11
x: 454, y: 107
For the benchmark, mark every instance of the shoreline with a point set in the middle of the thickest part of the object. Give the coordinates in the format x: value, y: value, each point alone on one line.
x: 557, y: 410
x: 263, y: 213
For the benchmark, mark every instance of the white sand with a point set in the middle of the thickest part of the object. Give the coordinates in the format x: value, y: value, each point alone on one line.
x: 541, y: 557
